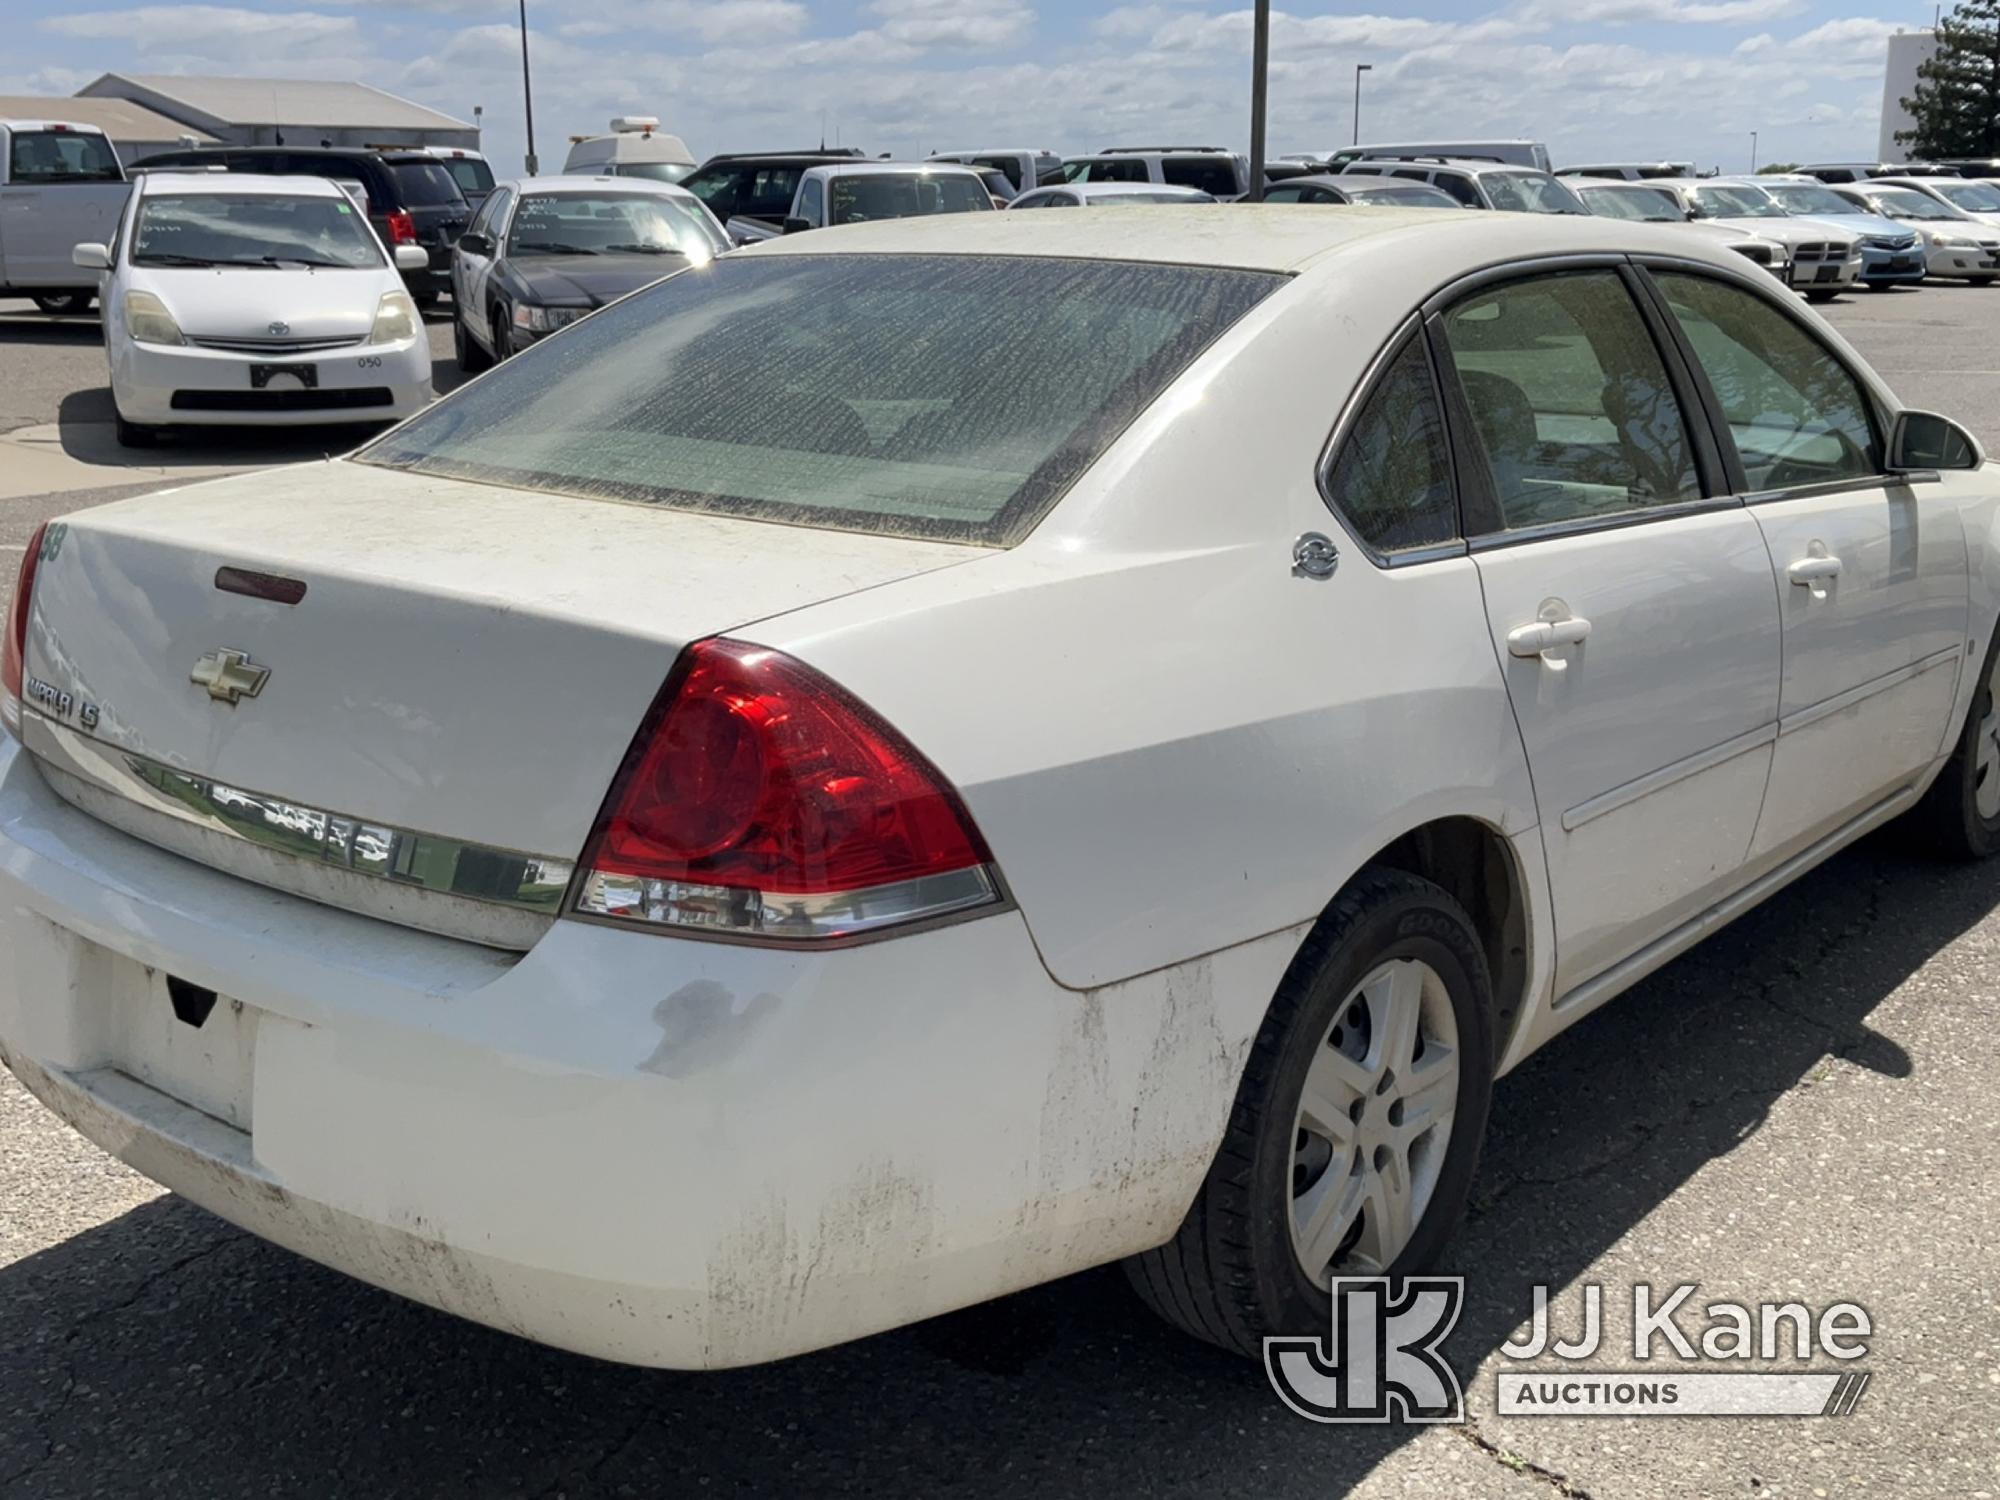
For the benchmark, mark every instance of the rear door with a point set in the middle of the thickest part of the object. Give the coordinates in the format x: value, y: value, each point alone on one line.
x: 1870, y: 579
x: 1632, y: 612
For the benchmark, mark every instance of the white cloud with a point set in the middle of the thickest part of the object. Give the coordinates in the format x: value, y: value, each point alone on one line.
x: 983, y: 24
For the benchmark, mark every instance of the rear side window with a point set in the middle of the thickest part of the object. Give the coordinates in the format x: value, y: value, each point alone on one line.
x: 1392, y: 479
x: 61, y: 156
x: 425, y: 184
x: 471, y: 174
x: 1108, y: 169
x: 952, y: 398
x: 1569, y: 400
x: 1011, y: 165
x: 1798, y: 414
x: 1459, y: 186
x: 1210, y: 174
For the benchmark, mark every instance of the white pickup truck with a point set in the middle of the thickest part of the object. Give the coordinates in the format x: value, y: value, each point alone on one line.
x: 60, y: 186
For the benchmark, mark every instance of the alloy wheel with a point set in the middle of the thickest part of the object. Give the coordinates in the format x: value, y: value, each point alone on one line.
x: 1374, y: 1121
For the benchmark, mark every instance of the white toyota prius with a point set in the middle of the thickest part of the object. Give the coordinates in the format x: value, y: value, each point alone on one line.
x: 243, y: 300
x: 918, y: 759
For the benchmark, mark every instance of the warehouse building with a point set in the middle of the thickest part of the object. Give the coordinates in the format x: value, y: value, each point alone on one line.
x: 285, y: 111
x: 135, y: 131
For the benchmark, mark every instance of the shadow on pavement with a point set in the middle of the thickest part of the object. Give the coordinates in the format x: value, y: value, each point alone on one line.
x: 30, y: 329
x: 87, y: 421
x: 165, y: 1350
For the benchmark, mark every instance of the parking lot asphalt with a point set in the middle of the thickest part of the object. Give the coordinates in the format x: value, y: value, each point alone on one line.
x: 1801, y: 1109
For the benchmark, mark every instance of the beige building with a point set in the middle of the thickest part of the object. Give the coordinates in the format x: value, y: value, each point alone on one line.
x: 1908, y: 51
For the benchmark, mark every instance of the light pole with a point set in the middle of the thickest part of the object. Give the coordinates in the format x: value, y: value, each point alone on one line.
x: 1260, y: 70
x: 527, y: 90
x: 1359, y: 69
x: 1753, y: 153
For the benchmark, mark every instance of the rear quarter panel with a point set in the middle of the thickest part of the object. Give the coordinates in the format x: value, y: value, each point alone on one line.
x: 1172, y: 742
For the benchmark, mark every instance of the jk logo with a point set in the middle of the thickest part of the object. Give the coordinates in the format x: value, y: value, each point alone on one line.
x: 1382, y: 1354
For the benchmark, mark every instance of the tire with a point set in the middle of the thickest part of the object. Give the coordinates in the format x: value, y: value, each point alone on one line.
x: 1880, y: 286
x: 134, y: 435
x: 1980, y: 280
x: 64, y: 304
x: 472, y: 357
x: 501, y: 322
x: 1231, y: 1274
x: 1950, y: 820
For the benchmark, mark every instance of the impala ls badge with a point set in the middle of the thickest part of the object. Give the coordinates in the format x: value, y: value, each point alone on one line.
x: 229, y: 676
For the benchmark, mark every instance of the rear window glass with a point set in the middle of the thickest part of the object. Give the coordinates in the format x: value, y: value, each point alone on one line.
x: 425, y: 184
x: 62, y: 156
x: 952, y: 398
x: 471, y: 174
x: 1208, y: 173
x: 760, y: 190
x: 1106, y: 169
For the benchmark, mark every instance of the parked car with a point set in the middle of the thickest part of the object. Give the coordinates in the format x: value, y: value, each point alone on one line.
x: 1890, y: 256
x: 1207, y: 169
x: 546, y: 251
x: 1025, y: 168
x: 1479, y: 184
x: 1363, y: 191
x: 635, y: 147
x: 1642, y: 202
x: 410, y: 196
x: 469, y: 169
x: 60, y: 183
x: 1972, y: 166
x: 1630, y: 171
x: 1977, y: 200
x: 1956, y: 245
x: 1862, y: 171
x: 1825, y: 261
x: 253, y: 301
x: 857, y: 192
x: 786, y: 927
x: 759, y: 187
x: 1519, y: 153
x: 1109, y: 194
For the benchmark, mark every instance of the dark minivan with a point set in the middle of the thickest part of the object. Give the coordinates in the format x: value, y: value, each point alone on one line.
x: 412, y: 197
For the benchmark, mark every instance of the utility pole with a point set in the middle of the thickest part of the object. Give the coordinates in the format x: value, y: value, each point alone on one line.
x: 1260, y: 70
x: 527, y: 91
x: 1359, y: 69
x: 1753, y: 153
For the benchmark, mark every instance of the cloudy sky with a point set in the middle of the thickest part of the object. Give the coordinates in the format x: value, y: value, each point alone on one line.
x: 1593, y: 78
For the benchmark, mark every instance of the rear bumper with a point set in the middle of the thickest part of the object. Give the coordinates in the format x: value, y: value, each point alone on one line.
x: 645, y: 1149
x: 215, y: 388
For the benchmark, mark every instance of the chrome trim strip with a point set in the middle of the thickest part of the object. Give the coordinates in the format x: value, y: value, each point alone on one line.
x: 165, y: 804
x: 1653, y: 781
x: 1830, y: 706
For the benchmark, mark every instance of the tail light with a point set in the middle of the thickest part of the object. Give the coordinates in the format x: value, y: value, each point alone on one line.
x: 14, y: 648
x: 402, y: 228
x: 761, y: 800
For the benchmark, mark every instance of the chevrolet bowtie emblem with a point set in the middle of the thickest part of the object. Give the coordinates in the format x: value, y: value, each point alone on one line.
x: 229, y: 676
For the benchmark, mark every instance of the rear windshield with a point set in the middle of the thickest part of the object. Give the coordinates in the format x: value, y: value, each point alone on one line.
x: 952, y: 398
x: 62, y: 156
x: 859, y: 197
x: 1208, y: 174
x: 762, y: 190
x: 470, y: 173
x: 425, y: 184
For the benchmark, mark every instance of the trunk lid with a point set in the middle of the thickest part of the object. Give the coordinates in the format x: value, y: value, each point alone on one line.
x: 468, y: 661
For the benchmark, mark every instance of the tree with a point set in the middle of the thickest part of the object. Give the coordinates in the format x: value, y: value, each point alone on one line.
x: 1957, y: 103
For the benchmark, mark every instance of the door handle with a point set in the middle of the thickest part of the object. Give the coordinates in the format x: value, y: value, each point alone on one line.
x: 1814, y: 570
x: 1545, y: 636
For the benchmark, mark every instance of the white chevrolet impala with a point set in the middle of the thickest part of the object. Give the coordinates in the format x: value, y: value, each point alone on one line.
x: 918, y: 759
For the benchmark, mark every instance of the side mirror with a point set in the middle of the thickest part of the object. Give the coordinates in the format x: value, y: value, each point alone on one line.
x: 471, y: 244
x: 1693, y: 214
x: 91, y: 257
x: 795, y: 225
x: 1922, y: 440
x: 412, y: 258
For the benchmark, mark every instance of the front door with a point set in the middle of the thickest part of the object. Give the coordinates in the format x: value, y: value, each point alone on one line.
x: 1632, y: 615
x: 1871, y: 581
